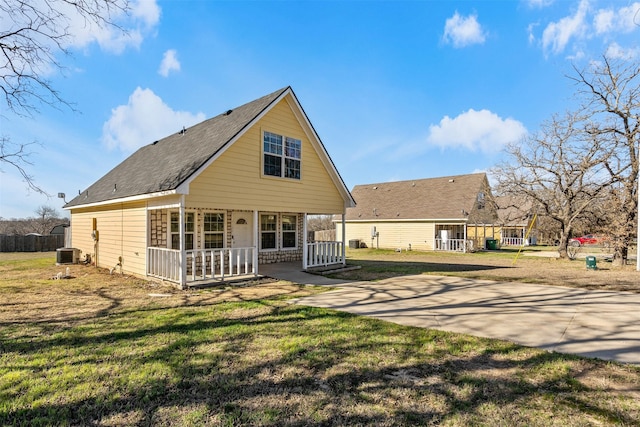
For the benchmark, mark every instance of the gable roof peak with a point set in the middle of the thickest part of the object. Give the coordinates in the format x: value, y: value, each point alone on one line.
x: 165, y: 164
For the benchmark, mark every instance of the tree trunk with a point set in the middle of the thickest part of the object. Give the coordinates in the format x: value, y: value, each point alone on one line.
x: 564, y: 242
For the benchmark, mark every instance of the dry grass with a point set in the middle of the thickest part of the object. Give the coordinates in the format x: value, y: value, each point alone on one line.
x: 502, y: 266
x: 111, y: 350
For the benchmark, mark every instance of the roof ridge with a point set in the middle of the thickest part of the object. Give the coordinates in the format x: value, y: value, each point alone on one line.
x: 421, y: 179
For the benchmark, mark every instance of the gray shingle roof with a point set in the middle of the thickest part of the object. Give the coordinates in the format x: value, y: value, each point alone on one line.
x: 165, y: 164
x: 431, y: 198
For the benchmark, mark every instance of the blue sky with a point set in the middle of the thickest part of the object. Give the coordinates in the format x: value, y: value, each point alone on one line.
x: 395, y: 89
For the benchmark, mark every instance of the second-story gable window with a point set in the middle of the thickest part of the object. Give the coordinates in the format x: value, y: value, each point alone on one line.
x: 281, y: 156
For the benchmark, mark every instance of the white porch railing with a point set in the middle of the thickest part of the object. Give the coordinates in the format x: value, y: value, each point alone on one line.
x: 164, y: 264
x: 512, y: 241
x: 324, y: 253
x: 450, y: 245
x: 201, y: 264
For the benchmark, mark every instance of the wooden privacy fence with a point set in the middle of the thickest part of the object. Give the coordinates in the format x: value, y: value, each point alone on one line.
x: 30, y: 243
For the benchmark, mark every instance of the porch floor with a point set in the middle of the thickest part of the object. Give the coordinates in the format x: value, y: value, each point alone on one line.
x: 293, y: 272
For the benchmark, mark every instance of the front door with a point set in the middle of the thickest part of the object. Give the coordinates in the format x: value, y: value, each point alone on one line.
x: 242, y: 232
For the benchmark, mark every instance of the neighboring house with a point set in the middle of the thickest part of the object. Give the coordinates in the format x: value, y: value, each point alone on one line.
x: 215, y: 200
x: 518, y: 222
x: 454, y: 213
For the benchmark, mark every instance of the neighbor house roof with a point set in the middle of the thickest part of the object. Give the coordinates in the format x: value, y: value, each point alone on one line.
x: 513, y: 210
x: 450, y: 197
x: 162, y: 166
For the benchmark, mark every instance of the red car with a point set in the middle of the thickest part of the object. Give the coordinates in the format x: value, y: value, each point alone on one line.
x: 589, y: 239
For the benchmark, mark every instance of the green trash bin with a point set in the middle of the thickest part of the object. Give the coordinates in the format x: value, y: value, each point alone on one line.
x: 492, y: 244
x: 591, y: 262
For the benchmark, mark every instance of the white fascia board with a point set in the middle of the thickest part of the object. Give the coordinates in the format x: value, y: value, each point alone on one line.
x: 137, y: 198
x: 184, y: 187
x: 325, y: 158
x: 409, y: 220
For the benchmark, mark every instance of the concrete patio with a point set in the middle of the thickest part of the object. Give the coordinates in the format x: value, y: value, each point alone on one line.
x: 598, y: 324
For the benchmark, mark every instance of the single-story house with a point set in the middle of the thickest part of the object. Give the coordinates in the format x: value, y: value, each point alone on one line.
x: 215, y: 200
x: 518, y: 222
x: 452, y: 213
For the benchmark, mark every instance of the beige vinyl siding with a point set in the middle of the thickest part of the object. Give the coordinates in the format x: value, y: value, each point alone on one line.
x: 391, y: 235
x: 122, y: 232
x: 235, y: 180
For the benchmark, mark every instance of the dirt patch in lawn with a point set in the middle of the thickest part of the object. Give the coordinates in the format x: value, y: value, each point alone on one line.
x: 35, y: 295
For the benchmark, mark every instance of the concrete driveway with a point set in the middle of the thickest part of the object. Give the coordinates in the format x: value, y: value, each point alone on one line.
x: 597, y: 324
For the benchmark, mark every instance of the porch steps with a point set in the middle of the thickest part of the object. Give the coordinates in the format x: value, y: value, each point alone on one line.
x: 331, y: 269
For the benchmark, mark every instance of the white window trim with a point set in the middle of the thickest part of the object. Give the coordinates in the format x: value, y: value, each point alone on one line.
x: 224, y: 231
x: 281, y: 240
x: 194, y: 232
x: 277, y: 215
x: 282, y: 156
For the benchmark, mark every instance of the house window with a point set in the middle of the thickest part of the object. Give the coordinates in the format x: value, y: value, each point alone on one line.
x: 481, y: 200
x: 281, y: 156
x: 189, y: 227
x: 289, y: 231
x: 268, y: 228
x: 213, y: 224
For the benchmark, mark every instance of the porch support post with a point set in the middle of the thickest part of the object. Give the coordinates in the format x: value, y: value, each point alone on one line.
x: 305, y: 248
x: 464, y: 242
x: 256, y: 242
x: 344, y: 236
x: 183, y: 253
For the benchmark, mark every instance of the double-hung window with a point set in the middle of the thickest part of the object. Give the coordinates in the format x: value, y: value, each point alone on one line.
x: 268, y: 228
x: 213, y: 224
x: 189, y: 228
x: 282, y: 156
x: 289, y: 231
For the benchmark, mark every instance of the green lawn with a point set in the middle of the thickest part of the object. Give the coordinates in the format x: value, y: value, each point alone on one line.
x: 107, y: 350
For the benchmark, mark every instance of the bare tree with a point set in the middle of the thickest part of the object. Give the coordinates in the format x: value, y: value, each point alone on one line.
x: 320, y: 223
x: 611, y: 90
x: 17, y: 156
x: 46, y: 218
x: 33, y: 37
x: 559, y: 169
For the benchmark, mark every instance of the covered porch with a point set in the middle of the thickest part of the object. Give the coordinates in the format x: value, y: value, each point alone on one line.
x: 192, y: 246
x: 451, y: 238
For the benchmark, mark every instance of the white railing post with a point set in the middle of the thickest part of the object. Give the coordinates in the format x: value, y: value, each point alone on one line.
x: 343, y: 249
x: 256, y: 242
x: 183, y: 255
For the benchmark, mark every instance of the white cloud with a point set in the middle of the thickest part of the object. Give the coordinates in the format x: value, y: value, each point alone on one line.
x: 461, y: 31
x: 539, y: 3
x: 603, y: 21
x: 476, y: 130
x: 615, y: 51
x: 169, y: 63
x: 624, y: 20
x: 557, y: 35
x: 585, y: 24
x: 144, y: 119
x: 142, y: 19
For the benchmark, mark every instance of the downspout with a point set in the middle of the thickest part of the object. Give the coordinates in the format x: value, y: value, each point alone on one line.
x: 305, y: 249
x: 183, y: 253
